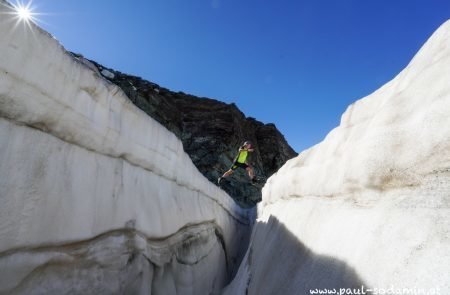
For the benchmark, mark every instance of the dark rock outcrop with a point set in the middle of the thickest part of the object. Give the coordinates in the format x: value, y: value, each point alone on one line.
x: 211, y: 132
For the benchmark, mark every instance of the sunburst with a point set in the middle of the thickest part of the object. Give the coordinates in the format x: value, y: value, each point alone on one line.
x: 24, y: 13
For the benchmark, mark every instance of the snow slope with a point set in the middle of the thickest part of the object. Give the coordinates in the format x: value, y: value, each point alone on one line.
x: 96, y: 197
x: 369, y: 206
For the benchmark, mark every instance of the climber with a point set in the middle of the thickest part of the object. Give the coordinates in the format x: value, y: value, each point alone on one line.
x: 241, y: 162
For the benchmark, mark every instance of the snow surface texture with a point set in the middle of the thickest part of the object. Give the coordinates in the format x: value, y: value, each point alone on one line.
x: 96, y: 197
x: 368, y: 206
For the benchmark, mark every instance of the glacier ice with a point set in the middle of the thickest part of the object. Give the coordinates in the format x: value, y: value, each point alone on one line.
x: 369, y: 206
x: 107, y: 74
x: 97, y: 197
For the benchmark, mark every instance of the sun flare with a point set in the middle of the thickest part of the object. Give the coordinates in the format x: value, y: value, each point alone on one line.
x: 24, y: 13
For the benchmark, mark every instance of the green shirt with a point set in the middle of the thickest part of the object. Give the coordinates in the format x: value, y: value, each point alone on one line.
x: 242, y: 157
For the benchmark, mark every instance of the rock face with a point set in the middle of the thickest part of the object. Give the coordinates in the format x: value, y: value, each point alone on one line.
x: 211, y: 132
x: 97, y: 197
x: 369, y: 207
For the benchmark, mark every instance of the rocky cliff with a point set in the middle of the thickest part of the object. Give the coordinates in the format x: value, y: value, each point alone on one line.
x: 369, y: 207
x: 96, y: 196
x: 211, y: 131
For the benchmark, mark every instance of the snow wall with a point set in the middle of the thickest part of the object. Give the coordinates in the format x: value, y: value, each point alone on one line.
x: 367, y: 208
x: 95, y: 196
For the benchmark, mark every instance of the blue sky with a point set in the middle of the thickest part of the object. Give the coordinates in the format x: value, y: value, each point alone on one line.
x: 295, y: 63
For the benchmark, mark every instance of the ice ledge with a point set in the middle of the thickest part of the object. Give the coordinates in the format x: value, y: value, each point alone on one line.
x: 129, y: 261
x: 390, y: 140
x: 44, y: 87
x: 80, y: 159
